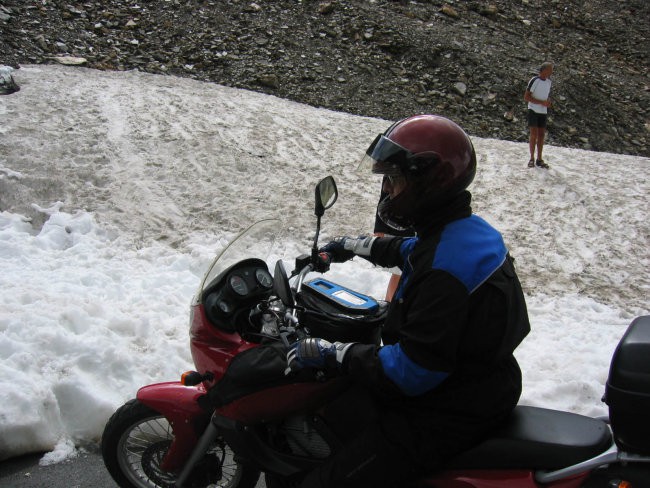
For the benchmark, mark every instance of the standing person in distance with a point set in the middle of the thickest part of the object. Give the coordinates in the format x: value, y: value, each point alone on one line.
x: 445, y: 375
x: 537, y: 95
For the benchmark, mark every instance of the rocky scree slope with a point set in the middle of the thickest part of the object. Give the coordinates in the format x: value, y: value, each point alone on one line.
x: 467, y: 60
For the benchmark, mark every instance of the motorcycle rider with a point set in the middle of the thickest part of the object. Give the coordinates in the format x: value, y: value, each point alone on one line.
x: 445, y: 375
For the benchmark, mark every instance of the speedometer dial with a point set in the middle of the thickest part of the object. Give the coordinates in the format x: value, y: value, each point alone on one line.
x: 264, y: 278
x: 238, y: 284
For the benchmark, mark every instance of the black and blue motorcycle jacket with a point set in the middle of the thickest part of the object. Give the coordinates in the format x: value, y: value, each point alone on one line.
x: 457, y: 316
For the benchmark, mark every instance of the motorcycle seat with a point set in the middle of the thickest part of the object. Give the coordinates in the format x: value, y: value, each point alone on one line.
x: 538, y: 438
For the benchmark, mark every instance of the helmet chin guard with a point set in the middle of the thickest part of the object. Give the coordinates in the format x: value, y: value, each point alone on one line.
x: 395, y: 222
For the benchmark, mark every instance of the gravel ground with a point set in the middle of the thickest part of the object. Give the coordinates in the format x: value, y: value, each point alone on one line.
x: 467, y: 60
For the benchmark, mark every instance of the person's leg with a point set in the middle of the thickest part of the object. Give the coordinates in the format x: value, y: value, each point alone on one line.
x: 370, y: 460
x: 532, y: 140
x: 541, y: 133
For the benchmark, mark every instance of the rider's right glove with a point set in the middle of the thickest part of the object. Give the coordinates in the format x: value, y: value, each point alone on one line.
x: 344, y: 248
x: 317, y: 353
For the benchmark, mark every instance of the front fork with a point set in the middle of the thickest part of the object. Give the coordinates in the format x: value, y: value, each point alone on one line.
x: 206, y: 440
x: 193, y: 431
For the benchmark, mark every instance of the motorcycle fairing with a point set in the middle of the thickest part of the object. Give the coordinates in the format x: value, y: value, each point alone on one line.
x: 179, y: 405
x: 280, y: 401
x: 213, y: 349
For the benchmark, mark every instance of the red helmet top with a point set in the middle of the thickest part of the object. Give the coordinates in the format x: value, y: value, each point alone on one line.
x: 434, y: 154
x: 422, y: 143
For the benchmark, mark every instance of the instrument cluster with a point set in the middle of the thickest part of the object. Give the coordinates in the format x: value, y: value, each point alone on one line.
x: 242, y: 282
x: 236, y: 289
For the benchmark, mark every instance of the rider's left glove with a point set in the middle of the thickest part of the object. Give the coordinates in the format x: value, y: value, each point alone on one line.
x: 317, y: 353
x: 341, y: 249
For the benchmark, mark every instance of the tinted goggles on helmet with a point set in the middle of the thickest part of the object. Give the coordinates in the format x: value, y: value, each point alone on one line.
x: 386, y: 157
x: 389, y: 158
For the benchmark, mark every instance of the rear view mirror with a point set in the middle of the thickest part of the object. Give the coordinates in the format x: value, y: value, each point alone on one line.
x: 326, y: 195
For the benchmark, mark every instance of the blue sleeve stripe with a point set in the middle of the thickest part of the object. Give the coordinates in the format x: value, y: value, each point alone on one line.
x: 407, y: 246
x: 410, y: 377
x: 471, y: 250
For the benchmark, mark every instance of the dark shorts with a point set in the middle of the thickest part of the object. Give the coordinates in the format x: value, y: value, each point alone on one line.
x: 536, y: 120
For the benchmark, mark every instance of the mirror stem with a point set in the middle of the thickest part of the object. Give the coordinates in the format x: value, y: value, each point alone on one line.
x: 314, y: 250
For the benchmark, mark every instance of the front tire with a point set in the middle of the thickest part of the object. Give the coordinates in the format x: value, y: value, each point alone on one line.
x: 135, y: 441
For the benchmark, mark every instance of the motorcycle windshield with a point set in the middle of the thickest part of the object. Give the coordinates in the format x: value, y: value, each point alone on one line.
x: 257, y: 241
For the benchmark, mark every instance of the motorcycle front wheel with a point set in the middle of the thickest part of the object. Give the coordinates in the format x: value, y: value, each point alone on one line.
x: 135, y: 441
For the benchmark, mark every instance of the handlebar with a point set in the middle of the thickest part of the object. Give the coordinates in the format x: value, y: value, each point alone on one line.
x: 301, y: 276
x: 319, y: 262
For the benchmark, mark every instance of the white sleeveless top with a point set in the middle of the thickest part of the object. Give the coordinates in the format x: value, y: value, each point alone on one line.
x: 539, y: 89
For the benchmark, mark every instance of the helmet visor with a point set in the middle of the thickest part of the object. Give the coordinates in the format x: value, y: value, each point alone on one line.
x: 385, y: 157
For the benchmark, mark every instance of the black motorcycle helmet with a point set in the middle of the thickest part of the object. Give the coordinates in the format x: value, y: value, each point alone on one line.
x: 433, y: 154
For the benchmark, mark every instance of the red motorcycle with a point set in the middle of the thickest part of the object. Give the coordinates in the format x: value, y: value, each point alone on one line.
x: 241, y: 413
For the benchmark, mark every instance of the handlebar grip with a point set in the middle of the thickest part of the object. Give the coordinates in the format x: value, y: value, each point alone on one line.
x: 324, y: 262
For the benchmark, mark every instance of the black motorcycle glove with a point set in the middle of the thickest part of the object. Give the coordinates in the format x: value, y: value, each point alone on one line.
x: 344, y: 248
x: 317, y: 353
